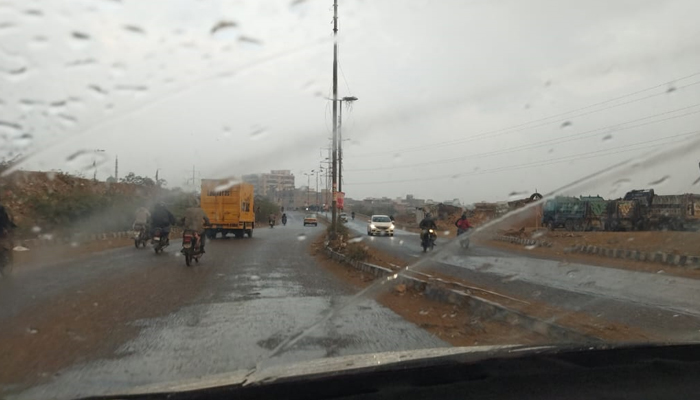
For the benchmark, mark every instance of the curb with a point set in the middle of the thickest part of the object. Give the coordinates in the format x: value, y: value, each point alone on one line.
x: 678, y: 260
x: 477, y: 306
x: 524, y: 242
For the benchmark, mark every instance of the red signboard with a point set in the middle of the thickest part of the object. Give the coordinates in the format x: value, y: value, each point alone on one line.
x: 340, y: 199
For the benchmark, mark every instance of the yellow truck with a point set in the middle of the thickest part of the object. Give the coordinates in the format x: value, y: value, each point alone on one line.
x: 229, y: 207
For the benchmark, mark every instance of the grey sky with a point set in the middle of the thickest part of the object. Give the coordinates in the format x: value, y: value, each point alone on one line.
x: 252, y: 98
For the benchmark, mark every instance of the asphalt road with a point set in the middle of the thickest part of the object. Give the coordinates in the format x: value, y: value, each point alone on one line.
x: 127, y: 317
x: 665, y: 306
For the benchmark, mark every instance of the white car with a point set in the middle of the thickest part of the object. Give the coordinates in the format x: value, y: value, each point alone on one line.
x: 380, y: 225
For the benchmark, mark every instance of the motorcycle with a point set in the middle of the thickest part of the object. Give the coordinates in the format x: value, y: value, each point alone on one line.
x: 284, y: 221
x: 191, y: 247
x: 160, y: 241
x: 463, y: 237
x: 272, y: 223
x: 428, y: 238
x: 140, y: 236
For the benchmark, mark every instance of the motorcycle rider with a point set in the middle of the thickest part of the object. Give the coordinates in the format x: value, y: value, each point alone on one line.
x: 425, y: 224
x: 141, y: 220
x: 162, y: 218
x: 6, y: 226
x: 271, y: 220
x: 462, y: 224
x: 196, y: 219
x: 284, y: 218
x: 353, y: 215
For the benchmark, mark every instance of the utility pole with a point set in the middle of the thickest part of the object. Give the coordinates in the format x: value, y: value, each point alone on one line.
x: 334, y: 211
x: 116, y: 169
x: 340, y: 140
x: 320, y: 169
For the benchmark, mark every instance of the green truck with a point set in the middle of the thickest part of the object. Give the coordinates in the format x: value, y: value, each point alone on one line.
x: 575, y: 214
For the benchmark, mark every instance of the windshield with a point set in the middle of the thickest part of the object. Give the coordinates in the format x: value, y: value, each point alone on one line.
x: 566, y: 134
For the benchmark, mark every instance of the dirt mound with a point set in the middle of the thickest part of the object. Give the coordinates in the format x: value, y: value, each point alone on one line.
x: 55, y: 201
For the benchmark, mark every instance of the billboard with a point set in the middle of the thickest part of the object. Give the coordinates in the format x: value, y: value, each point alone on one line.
x: 340, y: 200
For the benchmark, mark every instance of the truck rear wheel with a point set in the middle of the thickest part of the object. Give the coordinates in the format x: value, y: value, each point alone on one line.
x: 250, y: 233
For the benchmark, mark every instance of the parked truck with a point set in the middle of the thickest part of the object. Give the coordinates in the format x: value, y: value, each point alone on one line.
x: 230, y: 207
x: 575, y: 214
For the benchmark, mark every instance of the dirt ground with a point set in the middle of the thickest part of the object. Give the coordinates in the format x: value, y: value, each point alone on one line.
x: 43, y: 254
x: 92, y: 322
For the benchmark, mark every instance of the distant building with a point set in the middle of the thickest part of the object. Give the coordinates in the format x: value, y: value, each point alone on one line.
x: 276, y: 183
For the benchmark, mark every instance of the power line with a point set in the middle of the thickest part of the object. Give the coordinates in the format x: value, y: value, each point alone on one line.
x: 574, y: 157
x: 564, y: 139
x: 525, y: 125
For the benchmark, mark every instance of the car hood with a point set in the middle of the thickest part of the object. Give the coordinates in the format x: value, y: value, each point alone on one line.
x: 312, y: 368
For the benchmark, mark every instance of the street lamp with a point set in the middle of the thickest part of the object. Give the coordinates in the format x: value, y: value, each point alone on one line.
x: 308, y: 185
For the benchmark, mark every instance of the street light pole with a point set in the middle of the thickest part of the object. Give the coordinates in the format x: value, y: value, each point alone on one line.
x: 335, y: 116
x: 340, y: 141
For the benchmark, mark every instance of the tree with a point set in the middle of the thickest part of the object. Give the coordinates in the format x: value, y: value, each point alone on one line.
x: 138, y: 180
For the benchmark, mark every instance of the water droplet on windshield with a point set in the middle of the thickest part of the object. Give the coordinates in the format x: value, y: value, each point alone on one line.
x: 671, y: 89
x: 357, y: 239
x: 225, y: 186
x: 566, y: 124
x: 250, y: 40
x: 32, y: 331
x: 301, y: 237
x: 530, y: 247
x: 134, y: 28
x: 97, y: 89
x: 223, y: 26
x: 22, y: 141
x: 660, y: 180
x: 517, y: 195
x: 80, y: 35
x: 86, y: 159
x: 33, y: 12
x: 258, y: 133
x: 132, y: 88
x: 397, y: 158
x: 36, y: 229
x: 446, y: 233
x: 10, y: 125
x: 81, y: 62
x: 571, y: 274
x: 607, y: 137
x: 17, y: 71
x: 400, y: 242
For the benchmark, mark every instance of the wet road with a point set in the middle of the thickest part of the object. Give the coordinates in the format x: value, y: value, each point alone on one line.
x: 665, y: 306
x: 229, y: 313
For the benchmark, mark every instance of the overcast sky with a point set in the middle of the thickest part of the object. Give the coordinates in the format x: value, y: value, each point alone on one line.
x: 475, y: 100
